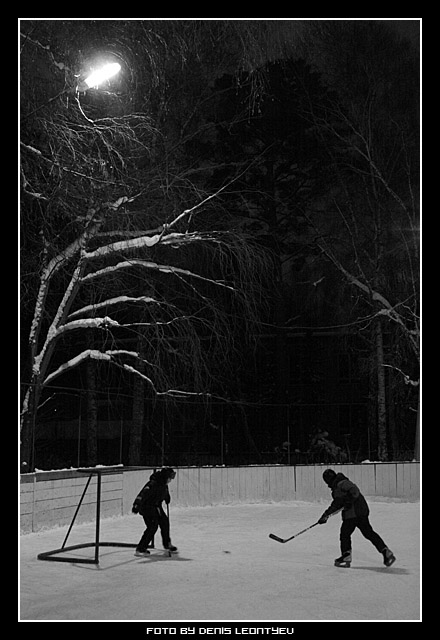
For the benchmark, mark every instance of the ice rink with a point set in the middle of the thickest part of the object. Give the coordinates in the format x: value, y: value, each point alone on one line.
x: 228, y: 569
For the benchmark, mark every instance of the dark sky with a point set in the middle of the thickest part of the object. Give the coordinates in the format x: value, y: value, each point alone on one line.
x: 409, y: 29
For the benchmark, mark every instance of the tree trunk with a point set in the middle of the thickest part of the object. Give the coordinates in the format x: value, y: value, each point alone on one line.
x: 382, y: 448
x: 253, y: 449
x: 371, y: 407
x: 137, y: 426
x: 92, y: 415
x: 25, y: 439
x: 417, y: 443
x: 134, y: 453
x: 27, y: 433
x: 281, y: 362
x: 392, y: 425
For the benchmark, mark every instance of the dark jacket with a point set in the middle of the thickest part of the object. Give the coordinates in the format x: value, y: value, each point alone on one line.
x: 346, y: 495
x: 152, y: 494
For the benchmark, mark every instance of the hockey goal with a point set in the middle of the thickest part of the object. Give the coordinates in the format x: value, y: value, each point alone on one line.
x: 57, y: 554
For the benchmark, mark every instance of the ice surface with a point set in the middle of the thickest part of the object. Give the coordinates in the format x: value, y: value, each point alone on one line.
x: 228, y: 569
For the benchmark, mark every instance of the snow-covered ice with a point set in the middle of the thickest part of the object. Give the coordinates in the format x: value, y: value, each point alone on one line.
x: 228, y: 569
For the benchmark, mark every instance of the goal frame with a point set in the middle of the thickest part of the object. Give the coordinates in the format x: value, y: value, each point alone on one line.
x: 55, y: 556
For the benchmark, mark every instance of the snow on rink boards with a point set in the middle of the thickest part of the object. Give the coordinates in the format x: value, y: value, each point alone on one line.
x: 228, y: 569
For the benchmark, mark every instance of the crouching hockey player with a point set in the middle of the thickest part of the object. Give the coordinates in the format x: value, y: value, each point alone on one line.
x: 148, y: 504
x: 355, y: 511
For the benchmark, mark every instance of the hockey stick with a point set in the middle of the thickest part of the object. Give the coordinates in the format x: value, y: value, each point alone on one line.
x: 168, y: 516
x: 283, y: 540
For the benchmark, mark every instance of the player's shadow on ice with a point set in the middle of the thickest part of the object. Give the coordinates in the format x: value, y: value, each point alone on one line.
x: 395, y: 570
x: 154, y: 557
x: 159, y: 557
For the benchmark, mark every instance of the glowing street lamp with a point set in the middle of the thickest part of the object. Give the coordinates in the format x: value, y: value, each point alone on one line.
x: 99, y: 76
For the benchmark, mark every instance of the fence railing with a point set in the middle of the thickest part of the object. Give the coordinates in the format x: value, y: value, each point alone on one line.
x: 201, y: 432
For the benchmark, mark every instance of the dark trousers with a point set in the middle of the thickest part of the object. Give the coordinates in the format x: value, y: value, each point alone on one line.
x: 364, y: 526
x: 154, y: 517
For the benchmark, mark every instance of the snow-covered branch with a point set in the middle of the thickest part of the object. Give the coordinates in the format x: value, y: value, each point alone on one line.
x: 92, y: 223
x: 147, y: 241
x: 110, y: 356
x: 191, y: 210
x: 163, y: 268
x: 388, y: 309
x: 407, y: 379
x: 94, y: 354
x: 86, y: 323
x: 92, y: 308
x: 59, y: 65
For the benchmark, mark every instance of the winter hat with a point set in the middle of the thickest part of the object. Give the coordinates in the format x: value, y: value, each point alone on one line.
x: 328, y: 476
x: 167, y: 472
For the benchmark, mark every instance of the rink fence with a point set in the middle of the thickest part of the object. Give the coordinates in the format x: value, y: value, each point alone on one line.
x: 49, y: 498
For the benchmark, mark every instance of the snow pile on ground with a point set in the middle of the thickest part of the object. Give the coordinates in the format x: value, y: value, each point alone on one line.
x: 228, y: 569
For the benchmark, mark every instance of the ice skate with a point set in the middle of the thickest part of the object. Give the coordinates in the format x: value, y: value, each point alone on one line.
x: 388, y: 557
x: 344, y: 560
x: 139, y: 553
x: 171, y: 549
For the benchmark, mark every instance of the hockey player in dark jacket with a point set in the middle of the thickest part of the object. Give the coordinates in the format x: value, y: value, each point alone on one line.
x: 355, y: 512
x: 148, y: 504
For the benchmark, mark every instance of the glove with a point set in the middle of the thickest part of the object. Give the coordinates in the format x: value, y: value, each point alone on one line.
x: 135, y: 507
x: 323, y: 519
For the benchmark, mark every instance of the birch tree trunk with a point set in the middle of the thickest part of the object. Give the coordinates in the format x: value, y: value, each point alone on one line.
x: 382, y: 448
x: 27, y: 434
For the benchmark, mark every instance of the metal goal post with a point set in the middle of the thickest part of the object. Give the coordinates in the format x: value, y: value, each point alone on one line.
x: 55, y: 556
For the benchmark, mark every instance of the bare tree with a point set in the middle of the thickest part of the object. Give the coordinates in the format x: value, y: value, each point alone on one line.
x: 368, y: 229
x: 108, y: 248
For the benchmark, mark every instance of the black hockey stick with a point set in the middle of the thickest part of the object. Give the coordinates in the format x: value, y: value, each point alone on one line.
x: 283, y: 540
x: 168, y: 516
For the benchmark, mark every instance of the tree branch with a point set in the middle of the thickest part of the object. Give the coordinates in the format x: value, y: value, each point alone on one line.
x: 92, y: 308
x: 127, y: 264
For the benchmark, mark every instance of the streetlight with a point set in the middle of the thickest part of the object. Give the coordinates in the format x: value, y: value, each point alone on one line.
x: 99, y: 76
